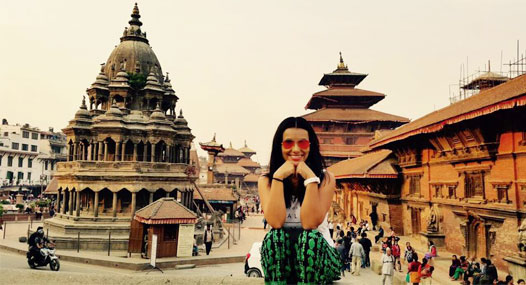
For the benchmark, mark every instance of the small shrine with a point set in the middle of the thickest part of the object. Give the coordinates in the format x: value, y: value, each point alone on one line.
x: 173, y: 224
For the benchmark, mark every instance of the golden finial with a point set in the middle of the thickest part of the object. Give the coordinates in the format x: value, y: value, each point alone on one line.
x: 341, y: 65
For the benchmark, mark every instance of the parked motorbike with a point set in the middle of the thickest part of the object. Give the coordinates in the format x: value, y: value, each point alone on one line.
x: 48, y: 257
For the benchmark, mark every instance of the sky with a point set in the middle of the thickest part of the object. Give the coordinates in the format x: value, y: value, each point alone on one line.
x: 240, y: 67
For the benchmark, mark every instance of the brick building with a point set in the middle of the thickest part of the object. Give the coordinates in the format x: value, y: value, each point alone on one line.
x: 462, y: 174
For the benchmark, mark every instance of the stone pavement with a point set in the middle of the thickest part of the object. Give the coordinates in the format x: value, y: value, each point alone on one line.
x: 251, y: 231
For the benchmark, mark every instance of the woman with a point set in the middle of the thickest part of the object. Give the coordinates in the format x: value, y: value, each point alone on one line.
x: 455, y: 263
x: 413, y: 272
x: 464, y: 264
x: 296, y: 195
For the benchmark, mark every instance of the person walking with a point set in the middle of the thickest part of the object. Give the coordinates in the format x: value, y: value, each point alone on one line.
x: 209, y: 239
x: 387, y: 267
x: 366, y: 244
x: 356, y: 254
x: 395, y: 250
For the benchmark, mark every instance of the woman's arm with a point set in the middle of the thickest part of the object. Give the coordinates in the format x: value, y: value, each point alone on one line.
x: 272, y: 201
x: 317, y: 200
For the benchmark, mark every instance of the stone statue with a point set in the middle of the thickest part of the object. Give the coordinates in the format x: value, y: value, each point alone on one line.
x: 522, y: 239
x: 432, y: 225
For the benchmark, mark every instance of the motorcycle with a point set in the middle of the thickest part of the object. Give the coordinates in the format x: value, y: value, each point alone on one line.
x: 48, y: 257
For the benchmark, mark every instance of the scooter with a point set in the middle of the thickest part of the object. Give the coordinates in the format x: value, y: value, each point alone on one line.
x: 48, y: 257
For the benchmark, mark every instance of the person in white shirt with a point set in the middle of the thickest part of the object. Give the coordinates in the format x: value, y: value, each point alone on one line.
x: 387, y: 267
x: 356, y: 253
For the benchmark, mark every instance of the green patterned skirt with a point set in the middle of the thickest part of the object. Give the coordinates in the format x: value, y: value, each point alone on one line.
x: 302, y: 257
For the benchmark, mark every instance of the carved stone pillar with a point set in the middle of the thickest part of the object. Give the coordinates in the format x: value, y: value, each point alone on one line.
x: 74, y: 151
x: 133, y: 203
x: 77, y: 203
x: 118, y: 151
x: 114, y: 205
x: 153, y: 152
x: 96, y: 205
x: 100, y: 151
x: 151, y: 198
x: 70, y: 206
x: 90, y: 151
x: 105, y: 150
x: 58, y: 201
x: 144, y: 152
x: 64, y: 202
x: 134, y: 152
x: 123, y: 152
x: 68, y: 146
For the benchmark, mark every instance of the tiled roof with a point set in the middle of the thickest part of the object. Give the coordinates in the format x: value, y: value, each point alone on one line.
x: 341, y: 153
x: 251, y: 178
x: 216, y: 194
x: 371, y: 165
x: 504, y: 96
x: 165, y: 209
x: 231, y: 168
x: 52, y: 187
x: 345, y: 92
x: 352, y: 115
x: 247, y: 162
x: 231, y: 152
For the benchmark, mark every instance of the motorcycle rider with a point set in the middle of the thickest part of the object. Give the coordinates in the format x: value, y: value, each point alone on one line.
x: 36, y: 241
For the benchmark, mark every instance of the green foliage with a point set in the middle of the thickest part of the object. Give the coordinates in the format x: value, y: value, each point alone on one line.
x: 20, y: 206
x: 137, y: 80
x: 43, y: 203
x: 1, y: 210
x: 5, y: 202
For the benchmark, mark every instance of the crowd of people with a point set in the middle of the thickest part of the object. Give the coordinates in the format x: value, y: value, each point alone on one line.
x: 354, y: 248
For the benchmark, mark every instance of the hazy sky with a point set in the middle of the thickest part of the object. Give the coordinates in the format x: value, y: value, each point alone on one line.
x: 240, y: 67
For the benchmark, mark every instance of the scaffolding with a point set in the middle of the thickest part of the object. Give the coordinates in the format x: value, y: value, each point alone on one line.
x: 471, y: 84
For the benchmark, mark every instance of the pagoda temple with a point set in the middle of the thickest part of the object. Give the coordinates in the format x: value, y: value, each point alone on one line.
x: 342, y: 120
x: 124, y: 152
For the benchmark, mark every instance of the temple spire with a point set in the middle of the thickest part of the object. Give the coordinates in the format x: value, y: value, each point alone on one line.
x: 342, y: 65
x: 135, y: 17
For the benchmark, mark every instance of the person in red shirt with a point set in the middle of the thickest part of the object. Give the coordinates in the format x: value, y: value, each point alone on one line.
x: 413, y: 273
x: 395, y: 251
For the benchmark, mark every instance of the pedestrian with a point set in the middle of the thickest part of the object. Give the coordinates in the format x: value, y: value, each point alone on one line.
x: 396, y: 251
x: 331, y: 228
x: 296, y: 195
x: 387, y: 267
x: 366, y: 244
x: 461, y: 269
x: 409, y: 253
x: 264, y: 223
x: 209, y: 239
x: 425, y: 271
x: 413, y: 275
x: 340, y: 247
x: 379, y: 235
x: 356, y: 254
x: 455, y: 262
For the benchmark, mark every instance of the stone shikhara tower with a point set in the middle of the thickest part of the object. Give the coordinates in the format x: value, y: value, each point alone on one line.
x: 128, y: 150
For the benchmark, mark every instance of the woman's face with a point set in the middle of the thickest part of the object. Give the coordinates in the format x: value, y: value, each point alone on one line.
x: 295, y: 146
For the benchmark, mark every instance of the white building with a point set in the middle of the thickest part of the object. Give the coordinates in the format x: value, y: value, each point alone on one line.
x: 29, y: 156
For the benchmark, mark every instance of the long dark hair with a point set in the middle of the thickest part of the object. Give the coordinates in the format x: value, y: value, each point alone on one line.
x: 314, y: 159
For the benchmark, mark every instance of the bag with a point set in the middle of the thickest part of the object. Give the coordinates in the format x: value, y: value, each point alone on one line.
x: 407, y: 278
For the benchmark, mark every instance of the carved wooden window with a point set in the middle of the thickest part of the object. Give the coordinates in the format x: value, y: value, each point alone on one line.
x: 438, y: 191
x: 414, y: 184
x: 350, y: 140
x: 452, y: 191
x: 474, y: 184
x: 502, y: 192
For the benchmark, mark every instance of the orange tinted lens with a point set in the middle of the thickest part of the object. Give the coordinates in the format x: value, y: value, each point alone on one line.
x: 287, y: 144
x: 304, y: 144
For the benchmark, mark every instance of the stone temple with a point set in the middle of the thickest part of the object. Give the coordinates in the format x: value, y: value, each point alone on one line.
x: 124, y: 152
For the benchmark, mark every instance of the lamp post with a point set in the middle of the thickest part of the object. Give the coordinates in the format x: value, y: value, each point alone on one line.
x: 42, y: 178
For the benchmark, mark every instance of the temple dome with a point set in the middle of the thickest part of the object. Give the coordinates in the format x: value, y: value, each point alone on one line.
x: 134, y: 53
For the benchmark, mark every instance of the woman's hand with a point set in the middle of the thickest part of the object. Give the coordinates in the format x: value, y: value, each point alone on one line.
x: 304, y: 170
x: 285, y: 170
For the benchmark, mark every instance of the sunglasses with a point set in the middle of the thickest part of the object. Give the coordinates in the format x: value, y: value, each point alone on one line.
x: 302, y: 144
